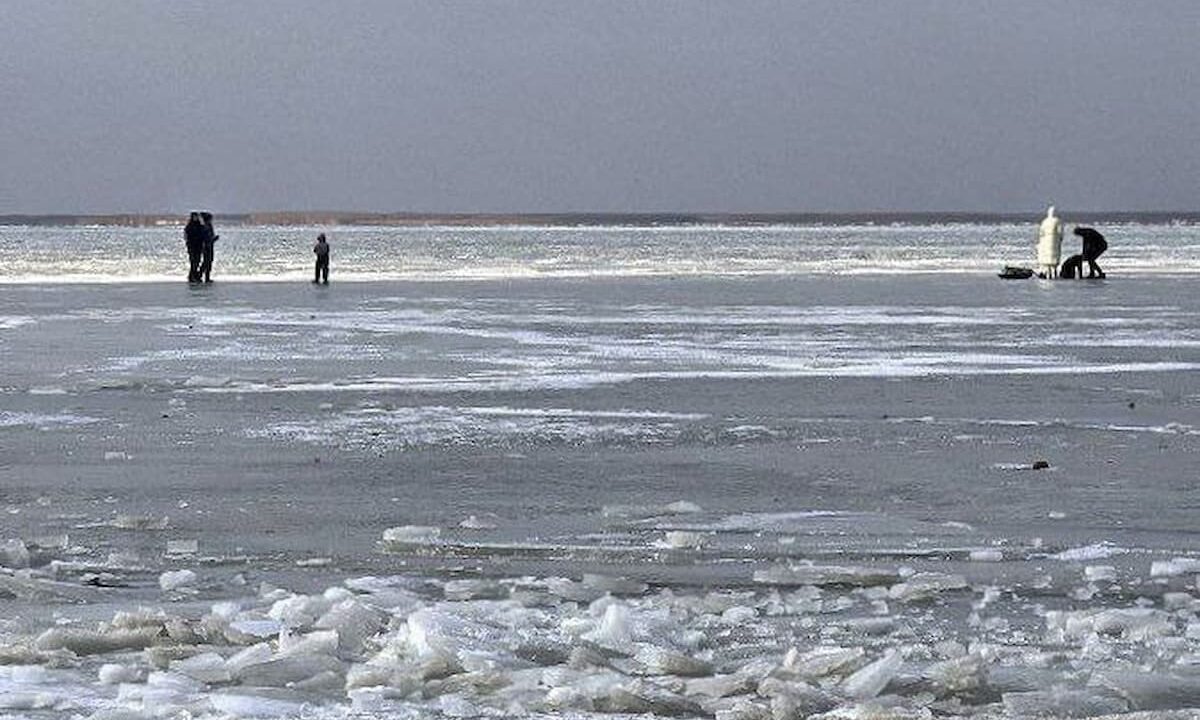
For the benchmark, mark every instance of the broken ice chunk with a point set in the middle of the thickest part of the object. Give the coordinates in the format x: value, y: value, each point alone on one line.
x: 1175, y: 567
x: 255, y: 705
x: 115, y: 674
x: 49, y: 542
x: 251, y: 630
x: 1100, y: 573
x: 14, y: 554
x: 206, y: 668
x: 319, y: 642
x: 176, y: 579
x: 314, y: 562
x: 289, y: 670
x: 407, y: 537
x: 640, y: 697
x: 354, y: 622
x: 923, y: 586
x: 821, y: 662
x: 473, y: 522
x: 957, y: 675
x: 1061, y: 703
x: 141, y: 522
x: 1131, y: 623
x: 810, y: 574
x: 871, y: 680
x: 96, y: 642
x: 1150, y: 691
x: 613, y: 584
x: 615, y: 629
x: 656, y: 660
x: 299, y: 611
x: 683, y: 539
x: 679, y: 507
x: 182, y: 547
x: 1095, y: 551
x: 794, y: 699
x: 252, y: 655
x: 473, y: 589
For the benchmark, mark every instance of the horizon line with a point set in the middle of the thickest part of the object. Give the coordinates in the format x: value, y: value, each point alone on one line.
x: 576, y: 217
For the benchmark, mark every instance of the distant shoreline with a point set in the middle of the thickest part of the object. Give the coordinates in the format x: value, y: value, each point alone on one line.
x: 334, y: 218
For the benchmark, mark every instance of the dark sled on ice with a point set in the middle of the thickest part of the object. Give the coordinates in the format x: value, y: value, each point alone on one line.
x: 1016, y: 273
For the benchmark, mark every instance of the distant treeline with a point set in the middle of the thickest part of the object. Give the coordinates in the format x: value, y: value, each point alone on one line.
x: 568, y: 219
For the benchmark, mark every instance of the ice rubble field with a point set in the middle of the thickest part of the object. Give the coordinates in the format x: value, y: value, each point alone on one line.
x: 1022, y: 630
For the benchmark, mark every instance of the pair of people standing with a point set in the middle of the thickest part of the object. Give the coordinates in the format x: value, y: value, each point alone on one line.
x: 1049, y: 250
x: 200, y: 238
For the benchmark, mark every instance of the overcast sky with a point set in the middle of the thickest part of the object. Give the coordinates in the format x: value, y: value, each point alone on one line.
x: 606, y: 105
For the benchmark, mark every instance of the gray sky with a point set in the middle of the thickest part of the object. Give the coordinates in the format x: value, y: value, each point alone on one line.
x: 606, y: 105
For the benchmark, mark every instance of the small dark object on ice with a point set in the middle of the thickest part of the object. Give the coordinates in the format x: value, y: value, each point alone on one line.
x: 1016, y: 273
x: 1041, y: 465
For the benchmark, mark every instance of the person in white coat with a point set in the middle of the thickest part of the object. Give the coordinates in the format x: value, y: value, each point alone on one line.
x: 1049, y: 247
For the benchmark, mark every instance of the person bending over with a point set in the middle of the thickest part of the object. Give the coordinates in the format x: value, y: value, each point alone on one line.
x: 1094, y: 246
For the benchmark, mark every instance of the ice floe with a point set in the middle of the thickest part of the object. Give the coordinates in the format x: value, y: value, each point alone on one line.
x: 992, y: 629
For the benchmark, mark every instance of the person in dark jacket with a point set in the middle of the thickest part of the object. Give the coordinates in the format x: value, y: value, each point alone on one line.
x: 210, y: 238
x: 1072, y: 268
x: 1094, y: 246
x: 321, y: 250
x: 193, y: 237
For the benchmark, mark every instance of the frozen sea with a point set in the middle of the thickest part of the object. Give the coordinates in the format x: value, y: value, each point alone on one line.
x: 592, y: 472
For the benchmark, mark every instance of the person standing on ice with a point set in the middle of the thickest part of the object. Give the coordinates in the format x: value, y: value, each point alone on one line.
x: 321, y: 250
x: 210, y: 238
x: 1049, y: 247
x: 193, y: 236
